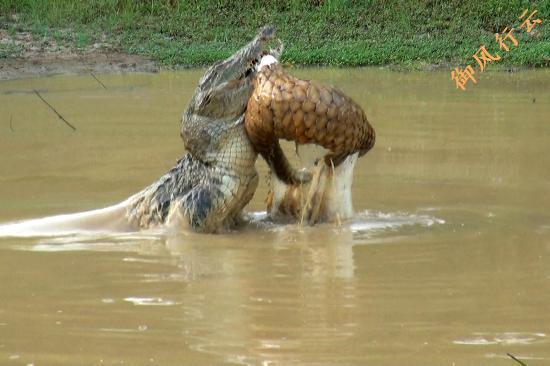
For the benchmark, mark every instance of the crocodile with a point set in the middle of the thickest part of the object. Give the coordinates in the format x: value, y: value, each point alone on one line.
x: 211, y: 183
x: 216, y: 178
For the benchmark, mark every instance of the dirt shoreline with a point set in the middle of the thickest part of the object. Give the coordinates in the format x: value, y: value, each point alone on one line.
x: 26, y: 55
x: 71, y: 63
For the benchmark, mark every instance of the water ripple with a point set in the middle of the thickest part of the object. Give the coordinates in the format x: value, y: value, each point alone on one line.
x: 375, y: 220
x: 506, y: 338
x: 151, y: 301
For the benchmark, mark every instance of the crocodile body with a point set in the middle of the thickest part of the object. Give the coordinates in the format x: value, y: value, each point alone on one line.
x: 210, y: 185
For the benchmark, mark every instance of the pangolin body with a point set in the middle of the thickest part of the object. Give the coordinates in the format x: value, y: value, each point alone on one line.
x: 303, y: 111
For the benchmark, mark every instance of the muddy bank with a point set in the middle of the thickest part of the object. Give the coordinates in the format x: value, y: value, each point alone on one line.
x: 26, y: 55
x: 16, y: 68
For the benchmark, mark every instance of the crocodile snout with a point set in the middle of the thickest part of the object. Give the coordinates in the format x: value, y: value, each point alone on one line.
x: 267, y: 33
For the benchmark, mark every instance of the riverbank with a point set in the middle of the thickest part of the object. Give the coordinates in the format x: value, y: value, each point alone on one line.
x: 407, y: 35
x: 34, y: 56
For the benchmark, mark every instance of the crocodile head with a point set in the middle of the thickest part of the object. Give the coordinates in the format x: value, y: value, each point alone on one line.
x: 225, y: 88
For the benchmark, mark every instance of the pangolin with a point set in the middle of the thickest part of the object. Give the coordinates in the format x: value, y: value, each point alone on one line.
x: 284, y: 107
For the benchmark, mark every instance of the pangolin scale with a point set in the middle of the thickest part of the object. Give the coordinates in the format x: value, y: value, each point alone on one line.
x: 284, y: 107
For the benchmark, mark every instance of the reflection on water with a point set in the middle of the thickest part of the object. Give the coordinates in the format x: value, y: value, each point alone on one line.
x: 446, y: 262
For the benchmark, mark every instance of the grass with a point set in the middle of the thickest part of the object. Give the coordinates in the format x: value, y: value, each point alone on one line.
x: 8, y: 50
x: 315, y: 32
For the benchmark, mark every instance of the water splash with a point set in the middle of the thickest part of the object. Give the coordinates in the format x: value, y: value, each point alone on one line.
x: 104, y: 220
x: 327, y: 198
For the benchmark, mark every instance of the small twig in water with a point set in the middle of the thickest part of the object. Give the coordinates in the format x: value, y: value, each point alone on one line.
x: 99, y: 81
x: 11, y: 125
x: 516, y: 359
x: 53, y: 109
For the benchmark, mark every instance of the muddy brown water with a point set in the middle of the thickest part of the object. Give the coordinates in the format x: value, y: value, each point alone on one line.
x: 446, y: 263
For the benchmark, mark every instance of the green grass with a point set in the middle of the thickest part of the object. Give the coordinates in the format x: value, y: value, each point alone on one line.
x: 8, y: 50
x: 315, y: 32
x: 82, y: 39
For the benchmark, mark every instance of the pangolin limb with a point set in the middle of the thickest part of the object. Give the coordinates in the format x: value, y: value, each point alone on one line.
x: 303, y: 111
